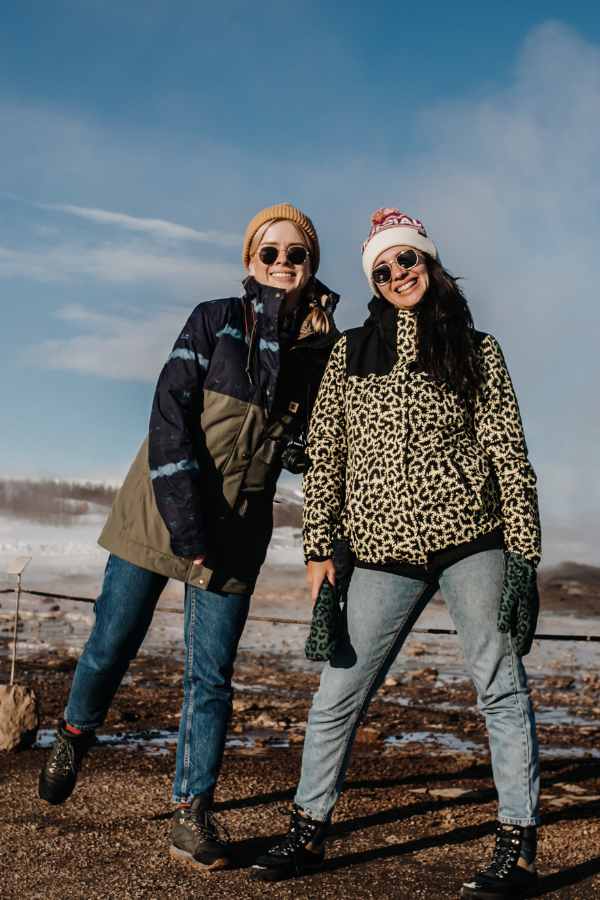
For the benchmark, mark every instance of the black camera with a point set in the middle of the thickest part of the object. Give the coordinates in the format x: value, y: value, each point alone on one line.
x: 289, y: 451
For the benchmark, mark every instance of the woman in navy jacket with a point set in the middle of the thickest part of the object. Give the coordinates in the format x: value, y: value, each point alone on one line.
x: 231, y: 402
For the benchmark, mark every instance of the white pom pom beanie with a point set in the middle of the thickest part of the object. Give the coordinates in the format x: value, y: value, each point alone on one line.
x: 390, y: 228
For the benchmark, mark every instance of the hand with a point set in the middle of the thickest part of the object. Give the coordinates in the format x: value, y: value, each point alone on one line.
x: 317, y: 572
x: 519, y: 603
x: 197, y: 560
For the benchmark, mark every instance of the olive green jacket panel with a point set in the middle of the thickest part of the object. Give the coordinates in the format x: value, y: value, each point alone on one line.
x: 408, y: 468
x: 239, y: 522
x: 135, y: 531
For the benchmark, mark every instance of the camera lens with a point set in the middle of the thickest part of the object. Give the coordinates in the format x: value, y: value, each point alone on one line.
x: 294, y: 459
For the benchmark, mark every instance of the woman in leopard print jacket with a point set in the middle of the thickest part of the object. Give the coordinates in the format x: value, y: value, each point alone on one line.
x: 418, y: 457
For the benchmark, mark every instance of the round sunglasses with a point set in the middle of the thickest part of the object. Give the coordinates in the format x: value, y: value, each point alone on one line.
x: 295, y: 255
x: 406, y: 259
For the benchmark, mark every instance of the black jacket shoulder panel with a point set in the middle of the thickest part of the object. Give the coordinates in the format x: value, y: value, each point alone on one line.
x: 479, y: 337
x: 355, y: 338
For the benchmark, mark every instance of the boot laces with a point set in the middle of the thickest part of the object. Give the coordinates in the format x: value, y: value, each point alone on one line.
x: 205, y: 823
x: 506, y: 852
x: 299, y: 833
x: 64, y: 759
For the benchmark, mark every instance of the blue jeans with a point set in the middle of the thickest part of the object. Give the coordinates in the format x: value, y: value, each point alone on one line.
x: 213, y: 624
x: 381, y: 609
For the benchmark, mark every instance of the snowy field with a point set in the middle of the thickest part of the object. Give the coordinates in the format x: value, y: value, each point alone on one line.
x: 71, y: 552
x: 66, y: 559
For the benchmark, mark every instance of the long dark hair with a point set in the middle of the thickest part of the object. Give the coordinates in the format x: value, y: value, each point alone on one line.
x: 445, y: 333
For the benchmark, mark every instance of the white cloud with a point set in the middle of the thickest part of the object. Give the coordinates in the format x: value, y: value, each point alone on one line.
x: 112, y: 346
x: 156, y: 228
x: 118, y: 263
x: 507, y: 186
x: 509, y: 189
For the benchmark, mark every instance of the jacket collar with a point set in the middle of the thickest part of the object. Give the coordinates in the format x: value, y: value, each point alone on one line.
x: 267, y: 303
x: 265, y: 300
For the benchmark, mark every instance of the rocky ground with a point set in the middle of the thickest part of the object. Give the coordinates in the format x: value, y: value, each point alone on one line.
x: 416, y: 817
x: 418, y: 811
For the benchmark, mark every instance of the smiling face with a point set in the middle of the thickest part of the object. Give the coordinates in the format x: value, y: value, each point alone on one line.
x: 407, y: 287
x: 282, y: 273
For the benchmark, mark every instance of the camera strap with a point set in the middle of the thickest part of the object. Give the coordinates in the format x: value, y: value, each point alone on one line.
x: 252, y: 363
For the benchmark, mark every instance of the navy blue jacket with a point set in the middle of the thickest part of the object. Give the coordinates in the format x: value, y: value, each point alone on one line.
x: 207, y: 428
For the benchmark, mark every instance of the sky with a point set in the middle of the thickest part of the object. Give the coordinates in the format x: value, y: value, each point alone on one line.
x: 138, y: 139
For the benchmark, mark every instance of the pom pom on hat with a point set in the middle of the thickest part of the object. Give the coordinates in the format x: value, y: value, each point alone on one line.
x: 391, y: 228
x: 282, y: 211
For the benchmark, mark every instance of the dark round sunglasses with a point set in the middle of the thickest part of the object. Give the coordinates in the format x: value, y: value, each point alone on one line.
x: 406, y: 259
x: 295, y: 255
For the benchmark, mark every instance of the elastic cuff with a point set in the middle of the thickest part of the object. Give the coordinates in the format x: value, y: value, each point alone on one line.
x: 187, y: 550
x: 319, y: 555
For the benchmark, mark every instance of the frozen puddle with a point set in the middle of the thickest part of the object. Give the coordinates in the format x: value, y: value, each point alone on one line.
x: 154, y: 742
x: 548, y: 715
x: 544, y: 715
x: 570, y: 752
x: 163, y: 742
x: 447, y: 742
x: 442, y: 743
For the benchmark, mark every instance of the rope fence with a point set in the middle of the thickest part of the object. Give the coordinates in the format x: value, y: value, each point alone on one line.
x: 539, y: 637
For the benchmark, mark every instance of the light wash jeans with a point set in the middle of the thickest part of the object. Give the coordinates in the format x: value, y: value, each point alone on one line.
x: 380, y: 611
x: 213, y: 624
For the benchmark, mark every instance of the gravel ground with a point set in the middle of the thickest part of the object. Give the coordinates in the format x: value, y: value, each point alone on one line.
x: 394, y: 835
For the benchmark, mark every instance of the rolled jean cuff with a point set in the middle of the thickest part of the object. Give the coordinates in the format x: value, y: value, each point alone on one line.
x: 316, y: 817
x: 179, y: 798
x: 524, y: 823
x: 80, y: 727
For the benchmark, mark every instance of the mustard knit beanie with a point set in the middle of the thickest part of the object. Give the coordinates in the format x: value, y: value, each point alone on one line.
x: 283, y: 211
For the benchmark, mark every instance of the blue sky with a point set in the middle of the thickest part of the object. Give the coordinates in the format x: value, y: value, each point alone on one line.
x: 137, y: 139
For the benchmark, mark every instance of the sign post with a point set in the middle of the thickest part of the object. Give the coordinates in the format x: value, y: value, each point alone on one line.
x: 17, y: 568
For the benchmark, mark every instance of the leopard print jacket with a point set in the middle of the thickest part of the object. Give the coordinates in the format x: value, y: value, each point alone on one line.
x: 405, y: 468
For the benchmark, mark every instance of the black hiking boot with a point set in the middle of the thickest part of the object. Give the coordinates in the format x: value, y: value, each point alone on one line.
x: 503, y: 879
x: 290, y: 857
x: 59, y: 774
x: 198, y: 839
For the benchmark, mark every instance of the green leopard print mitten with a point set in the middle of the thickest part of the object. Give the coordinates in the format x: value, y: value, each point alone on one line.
x: 325, y: 625
x: 520, y: 603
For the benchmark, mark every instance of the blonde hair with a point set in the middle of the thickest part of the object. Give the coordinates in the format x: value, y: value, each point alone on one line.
x: 317, y: 321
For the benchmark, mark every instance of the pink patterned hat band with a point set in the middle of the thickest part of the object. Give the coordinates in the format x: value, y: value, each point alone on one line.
x: 389, y: 217
x: 391, y: 228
